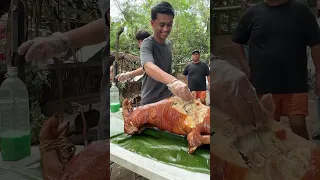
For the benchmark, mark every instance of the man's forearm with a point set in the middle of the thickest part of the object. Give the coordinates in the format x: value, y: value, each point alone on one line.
x: 239, y: 53
x: 156, y: 73
x: 89, y: 34
x: 185, y: 78
x: 315, y: 53
x: 137, y: 72
x: 208, y: 78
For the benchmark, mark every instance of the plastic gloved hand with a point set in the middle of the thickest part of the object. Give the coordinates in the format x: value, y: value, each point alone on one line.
x: 124, y: 76
x: 40, y: 49
x: 180, y: 89
x: 233, y: 94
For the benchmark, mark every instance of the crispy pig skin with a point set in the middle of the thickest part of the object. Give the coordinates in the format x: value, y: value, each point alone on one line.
x: 58, y: 158
x: 165, y: 116
x: 91, y: 163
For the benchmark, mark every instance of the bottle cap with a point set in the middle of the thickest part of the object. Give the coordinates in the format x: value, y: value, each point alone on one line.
x: 12, y: 70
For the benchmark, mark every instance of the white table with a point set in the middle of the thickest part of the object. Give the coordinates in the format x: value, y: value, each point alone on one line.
x: 25, y: 169
x: 146, y: 167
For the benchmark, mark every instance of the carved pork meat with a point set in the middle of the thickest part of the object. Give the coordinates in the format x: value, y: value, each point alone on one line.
x: 173, y: 115
x: 271, y: 153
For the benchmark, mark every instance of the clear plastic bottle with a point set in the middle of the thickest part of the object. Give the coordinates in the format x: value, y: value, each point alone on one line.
x: 14, y: 118
x: 114, y: 98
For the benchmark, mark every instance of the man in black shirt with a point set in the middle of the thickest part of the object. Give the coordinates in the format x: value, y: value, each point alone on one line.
x: 278, y: 33
x: 197, y: 72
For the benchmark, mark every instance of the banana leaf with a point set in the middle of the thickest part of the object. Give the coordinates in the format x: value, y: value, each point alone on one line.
x: 166, y: 148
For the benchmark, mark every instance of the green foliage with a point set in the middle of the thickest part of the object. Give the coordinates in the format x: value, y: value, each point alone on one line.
x: 36, y: 78
x: 191, y: 27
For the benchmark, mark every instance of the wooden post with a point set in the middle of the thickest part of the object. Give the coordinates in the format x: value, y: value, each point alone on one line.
x: 241, y: 7
x: 18, y: 36
x: 116, y: 62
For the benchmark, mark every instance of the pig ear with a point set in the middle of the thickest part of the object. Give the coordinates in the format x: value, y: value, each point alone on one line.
x: 267, y: 104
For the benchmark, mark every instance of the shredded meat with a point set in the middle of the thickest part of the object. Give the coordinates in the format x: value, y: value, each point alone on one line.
x: 269, y: 153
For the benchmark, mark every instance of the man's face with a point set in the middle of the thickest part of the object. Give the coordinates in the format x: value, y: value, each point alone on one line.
x: 195, y: 57
x: 139, y: 43
x: 162, y: 25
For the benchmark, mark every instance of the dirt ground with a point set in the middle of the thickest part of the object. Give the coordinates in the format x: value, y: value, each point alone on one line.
x: 121, y: 173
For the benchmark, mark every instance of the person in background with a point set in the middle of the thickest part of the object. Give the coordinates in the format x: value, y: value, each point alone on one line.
x: 156, y: 59
x: 140, y: 36
x: 316, y: 136
x: 197, y: 73
x: 278, y: 33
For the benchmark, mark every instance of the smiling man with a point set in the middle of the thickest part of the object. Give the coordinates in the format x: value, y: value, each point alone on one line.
x: 156, y: 59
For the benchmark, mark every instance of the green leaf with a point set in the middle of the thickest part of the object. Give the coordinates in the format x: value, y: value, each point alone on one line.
x: 166, y: 148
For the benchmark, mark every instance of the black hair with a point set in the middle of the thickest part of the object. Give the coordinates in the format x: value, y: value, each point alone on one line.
x: 163, y: 8
x: 141, y: 35
x: 196, y: 51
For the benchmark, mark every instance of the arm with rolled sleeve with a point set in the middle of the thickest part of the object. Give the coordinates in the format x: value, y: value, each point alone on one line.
x: 148, y: 64
x: 176, y: 87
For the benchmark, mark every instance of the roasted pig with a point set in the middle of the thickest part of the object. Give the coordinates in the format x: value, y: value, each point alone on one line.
x: 173, y: 115
x: 58, y: 158
x: 272, y: 152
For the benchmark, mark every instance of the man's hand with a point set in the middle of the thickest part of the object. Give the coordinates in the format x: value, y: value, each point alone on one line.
x: 233, y: 94
x: 124, y: 76
x: 180, y: 89
x: 40, y: 49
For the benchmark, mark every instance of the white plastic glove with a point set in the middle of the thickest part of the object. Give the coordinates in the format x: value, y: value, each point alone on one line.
x: 40, y: 49
x: 180, y: 89
x: 124, y: 76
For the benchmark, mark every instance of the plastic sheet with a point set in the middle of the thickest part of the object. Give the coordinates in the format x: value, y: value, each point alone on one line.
x: 270, y: 153
x: 233, y: 94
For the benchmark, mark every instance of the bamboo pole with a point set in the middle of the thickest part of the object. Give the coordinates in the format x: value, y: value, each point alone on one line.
x: 18, y: 36
x: 115, y: 63
x: 229, y: 8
